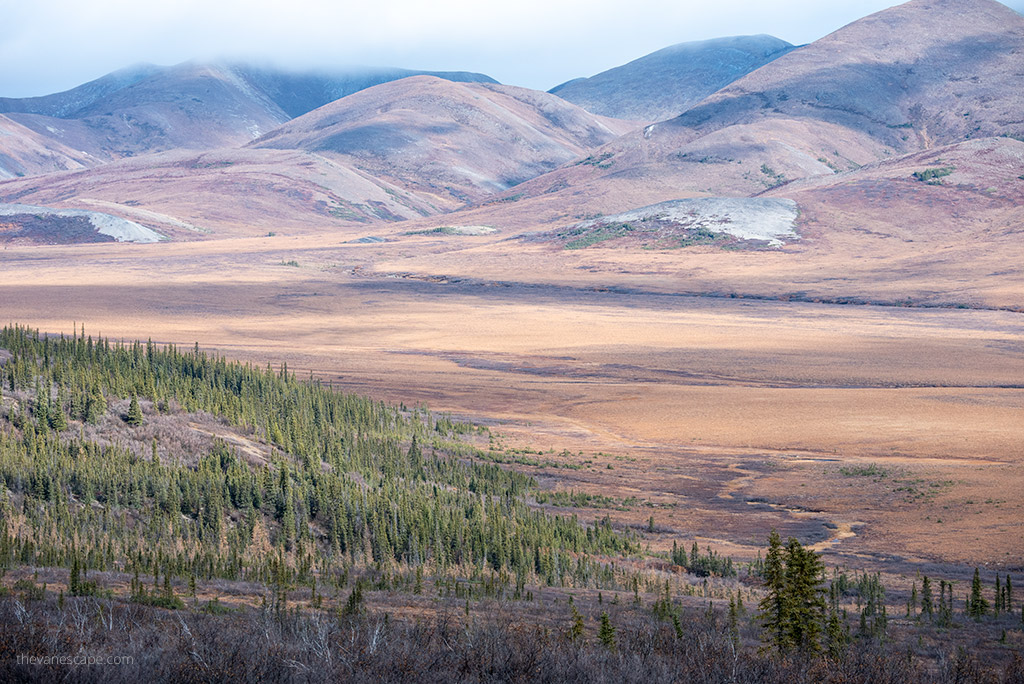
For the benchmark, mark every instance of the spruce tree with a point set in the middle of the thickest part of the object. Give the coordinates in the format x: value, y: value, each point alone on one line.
x: 773, y: 606
x: 95, y: 406
x: 575, y: 632
x: 805, y: 598
x: 927, y: 608
x: 837, y: 636
x: 734, y: 623
x: 606, y: 633
x: 977, y: 606
x: 998, y: 605
x: 58, y: 421
x: 135, y: 413
x: 73, y: 582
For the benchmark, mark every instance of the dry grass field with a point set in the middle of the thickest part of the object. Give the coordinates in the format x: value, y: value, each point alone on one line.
x: 890, y: 437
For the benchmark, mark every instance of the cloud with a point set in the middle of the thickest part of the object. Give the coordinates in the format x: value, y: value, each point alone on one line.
x: 58, y: 44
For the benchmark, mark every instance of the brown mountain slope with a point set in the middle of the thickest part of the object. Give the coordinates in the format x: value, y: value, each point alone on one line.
x: 924, y: 73
x: 24, y: 152
x: 457, y: 141
x: 927, y: 72
x: 666, y: 83
x: 192, y: 106
x: 223, y: 193
x: 957, y: 210
x: 875, y: 235
x: 408, y: 149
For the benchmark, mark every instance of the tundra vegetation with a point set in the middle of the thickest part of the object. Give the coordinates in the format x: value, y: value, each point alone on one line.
x: 362, y: 541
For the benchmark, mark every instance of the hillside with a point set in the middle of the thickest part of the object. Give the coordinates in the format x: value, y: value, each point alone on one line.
x: 192, y: 106
x: 24, y: 152
x: 461, y: 142
x: 920, y: 75
x: 407, y: 149
x: 188, y: 195
x: 924, y: 73
x: 666, y: 83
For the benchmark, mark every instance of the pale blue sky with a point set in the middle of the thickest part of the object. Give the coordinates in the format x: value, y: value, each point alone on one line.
x: 52, y: 45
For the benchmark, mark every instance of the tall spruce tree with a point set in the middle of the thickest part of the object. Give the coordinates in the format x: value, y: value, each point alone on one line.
x: 792, y: 611
x: 135, y: 412
x: 927, y: 607
x: 774, y: 611
x: 606, y: 633
x: 805, y: 598
x: 977, y: 606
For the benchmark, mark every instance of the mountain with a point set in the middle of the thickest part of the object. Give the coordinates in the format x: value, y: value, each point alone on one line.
x: 24, y: 152
x: 75, y: 103
x: 298, y: 93
x: 411, y: 148
x: 897, y: 198
x: 807, y: 127
x: 666, y: 83
x: 919, y: 75
x: 193, y: 106
x: 924, y: 73
x: 405, y: 149
x: 458, y: 142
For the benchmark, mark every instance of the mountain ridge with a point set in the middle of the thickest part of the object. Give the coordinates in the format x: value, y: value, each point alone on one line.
x: 665, y: 83
x: 192, y: 105
x: 462, y: 140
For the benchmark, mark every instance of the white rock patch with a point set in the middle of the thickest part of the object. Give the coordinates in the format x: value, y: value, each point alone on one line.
x: 118, y: 228
x: 748, y: 218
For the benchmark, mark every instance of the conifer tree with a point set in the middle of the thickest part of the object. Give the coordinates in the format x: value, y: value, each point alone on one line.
x: 927, y: 608
x: 74, y: 581
x: 95, y: 406
x: 774, y: 610
x: 998, y: 605
x: 838, y: 637
x: 977, y: 606
x: 575, y: 632
x: 945, y: 618
x: 135, y: 412
x: 58, y: 421
x: 805, y: 598
x: 734, y: 623
x: 606, y: 633
x: 792, y: 612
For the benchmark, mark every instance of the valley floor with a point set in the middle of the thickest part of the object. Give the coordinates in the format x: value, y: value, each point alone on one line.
x: 889, y: 437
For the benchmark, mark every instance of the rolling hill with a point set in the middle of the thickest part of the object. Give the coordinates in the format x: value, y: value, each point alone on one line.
x: 188, y: 195
x: 193, y: 106
x: 461, y: 142
x: 406, y: 149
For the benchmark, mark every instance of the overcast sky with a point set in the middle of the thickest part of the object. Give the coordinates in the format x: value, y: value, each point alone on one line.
x: 52, y: 45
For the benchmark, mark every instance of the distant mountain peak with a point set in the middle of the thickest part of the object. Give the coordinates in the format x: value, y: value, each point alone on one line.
x: 192, y: 105
x: 924, y: 73
x: 665, y: 83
